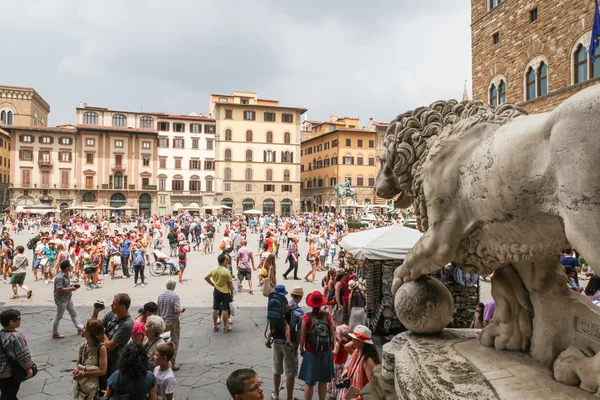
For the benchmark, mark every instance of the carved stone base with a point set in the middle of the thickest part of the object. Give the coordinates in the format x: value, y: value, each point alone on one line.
x: 454, y: 365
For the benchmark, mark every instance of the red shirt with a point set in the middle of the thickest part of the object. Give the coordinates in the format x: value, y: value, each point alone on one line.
x: 270, y: 244
x: 184, y: 251
x: 307, y: 321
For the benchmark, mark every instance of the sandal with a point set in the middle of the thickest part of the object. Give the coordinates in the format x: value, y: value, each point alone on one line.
x: 14, y: 297
x: 215, y: 328
x: 29, y: 293
x: 227, y: 329
x: 58, y: 336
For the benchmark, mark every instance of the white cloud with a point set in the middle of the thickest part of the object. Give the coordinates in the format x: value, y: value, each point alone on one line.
x: 374, y: 59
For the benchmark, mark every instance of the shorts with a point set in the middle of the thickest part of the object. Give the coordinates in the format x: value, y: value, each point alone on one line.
x: 90, y: 271
x: 221, y: 300
x: 17, y: 278
x: 36, y: 262
x: 244, y: 273
x: 48, y: 267
x: 182, y: 264
x: 322, y: 260
x: 173, y: 246
x: 116, y: 260
x: 284, y: 356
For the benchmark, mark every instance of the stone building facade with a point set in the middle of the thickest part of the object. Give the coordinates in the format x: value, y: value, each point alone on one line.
x: 22, y: 106
x: 533, y: 54
x: 258, y: 153
x: 333, y: 152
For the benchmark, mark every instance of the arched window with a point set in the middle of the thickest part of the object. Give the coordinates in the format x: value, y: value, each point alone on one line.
x: 6, y: 116
x: 542, y: 86
x: 269, y: 206
x: 248, y: 174
x: 117, y: 200
x: 147, y: 122
x: 595, y: 65
x: 227, y: 202
x: 269, y: 174
x: 581, y: 68
x: 228, y: 135
x: 530, y: 84
x: 119, y: 120
x: 227, y: 174
x: 227, y: 154
x: 287, y: 138
x: 501, y: 94
x: 269, y: 137
x: 248, y: 155
x: 269, y: 156
x: 35, y: 119
x: 248, y: 204
x: 88, y: 197
x: 288, y: 158
x: 493, y: 96
x: 286, y: 175
x: 326, y: 161
x: 286, y: 207
x: 248, y: 136
x: 90, y: 118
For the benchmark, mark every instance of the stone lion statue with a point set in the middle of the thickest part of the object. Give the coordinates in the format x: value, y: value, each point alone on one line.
x: 496, y: 189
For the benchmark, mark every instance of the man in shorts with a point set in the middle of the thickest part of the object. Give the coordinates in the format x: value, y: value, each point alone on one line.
x: 220, y: 279
x: 19, y: 269
x: 245, y: 261
x: 50, y: 256
x: 39, y: 255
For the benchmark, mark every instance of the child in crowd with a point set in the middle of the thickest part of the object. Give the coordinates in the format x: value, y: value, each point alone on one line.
x: 477, y: 322
x: 165, y: 378
x: 340, y: 356
x: 244, y: 384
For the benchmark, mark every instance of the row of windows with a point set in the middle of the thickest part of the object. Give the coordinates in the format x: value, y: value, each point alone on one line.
x: 45, y: 179
x: 268, y: 156
x: 320, y: 182
x: 536, y: 79
x: 267, y: 187
x: 268, y: 116
x: 196, y: 165
x: 268, y: 205
x: 250, y: 136
x: 347, y: 160
x: 179, y: 143
x: 249, y: 174
x: 178, y: 185
x: 91, y: 118
x: 334, y: 143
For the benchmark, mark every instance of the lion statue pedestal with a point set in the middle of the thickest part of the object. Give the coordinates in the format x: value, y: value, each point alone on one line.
x: 497, y: 190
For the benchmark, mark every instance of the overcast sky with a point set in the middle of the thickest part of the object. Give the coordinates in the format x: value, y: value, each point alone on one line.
x: 347, y: 58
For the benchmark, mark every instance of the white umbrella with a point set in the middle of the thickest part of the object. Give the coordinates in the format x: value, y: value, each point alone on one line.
x: 224, y: 207
x: 252, y: 212
x: 211, y: 207
x: 386, y: 243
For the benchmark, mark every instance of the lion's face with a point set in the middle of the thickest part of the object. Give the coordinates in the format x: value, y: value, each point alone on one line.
x: 386, y: 185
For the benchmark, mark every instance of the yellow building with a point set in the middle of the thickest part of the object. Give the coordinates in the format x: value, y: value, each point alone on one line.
x: 334, y: 152
x: 257, y: 153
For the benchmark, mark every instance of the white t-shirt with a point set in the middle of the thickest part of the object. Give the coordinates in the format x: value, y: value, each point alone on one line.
x: 165, y: 382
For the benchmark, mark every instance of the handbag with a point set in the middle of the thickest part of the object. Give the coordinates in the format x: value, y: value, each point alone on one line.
x: 18, y: 373
x: 44, y: 261
x: 268, y: 287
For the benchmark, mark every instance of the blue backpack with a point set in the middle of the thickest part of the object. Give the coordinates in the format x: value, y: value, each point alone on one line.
x: 277, y: 308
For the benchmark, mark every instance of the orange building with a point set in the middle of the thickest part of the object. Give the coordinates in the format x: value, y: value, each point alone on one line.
x: 333, y: 152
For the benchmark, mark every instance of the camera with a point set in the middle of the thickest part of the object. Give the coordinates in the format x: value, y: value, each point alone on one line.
x: 77, y: 286
x: 343, y: 384
x: 99, y: 304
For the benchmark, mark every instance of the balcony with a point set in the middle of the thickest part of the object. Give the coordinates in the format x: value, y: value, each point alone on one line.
x: 118, y: 167
x: 131, y: 187
x: 45, y: 163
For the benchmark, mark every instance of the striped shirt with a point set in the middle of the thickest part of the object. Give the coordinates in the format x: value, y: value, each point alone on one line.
x: 14, y: 348
x: 167, y: 303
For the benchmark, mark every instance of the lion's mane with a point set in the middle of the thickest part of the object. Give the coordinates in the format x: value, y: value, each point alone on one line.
x: 417, y: 134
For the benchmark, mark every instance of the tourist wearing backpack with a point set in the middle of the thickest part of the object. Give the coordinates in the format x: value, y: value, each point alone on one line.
x: 315, y: 342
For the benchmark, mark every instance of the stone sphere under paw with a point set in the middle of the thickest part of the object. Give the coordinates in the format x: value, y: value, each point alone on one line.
x: 424, y: 305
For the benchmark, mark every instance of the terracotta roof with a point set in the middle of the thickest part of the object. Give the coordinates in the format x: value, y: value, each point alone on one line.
x: 380, y: 123
x: 92, y: 108
x: 313, y: 122
x: 116, y: 128
x: 62, y: 128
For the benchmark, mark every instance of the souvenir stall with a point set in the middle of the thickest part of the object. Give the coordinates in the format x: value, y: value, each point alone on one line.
x: 376, y: 253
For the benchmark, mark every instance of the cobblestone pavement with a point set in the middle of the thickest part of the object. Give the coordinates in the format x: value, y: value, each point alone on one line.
x: 206, y: 358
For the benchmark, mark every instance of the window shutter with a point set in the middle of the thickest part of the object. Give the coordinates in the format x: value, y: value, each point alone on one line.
x: 292, y: 157
x: 51, y: 140
x: 204, y: 164
x: 274, y: 156
x: 265, y: 155
x: 21, y: 138
x: 190, y: 164
x: 282, y: 159
x: 20, y: 154
x: 183, y: 143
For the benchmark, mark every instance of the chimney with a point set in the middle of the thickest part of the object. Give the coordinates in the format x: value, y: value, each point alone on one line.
x: 84, y: 104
